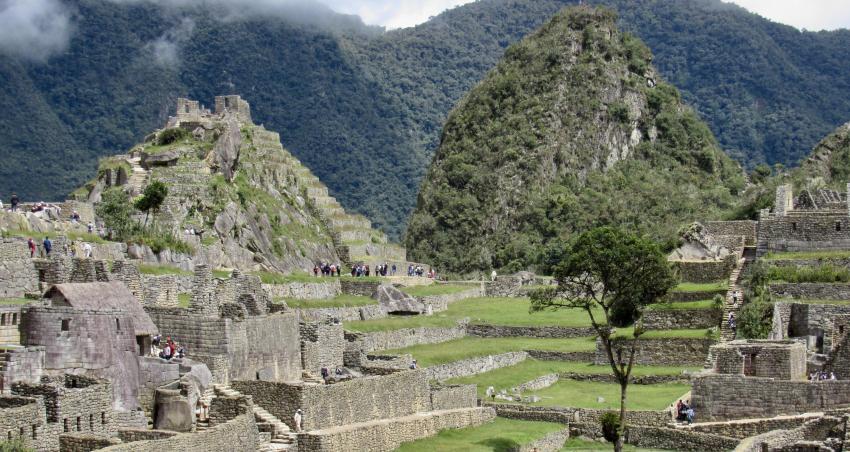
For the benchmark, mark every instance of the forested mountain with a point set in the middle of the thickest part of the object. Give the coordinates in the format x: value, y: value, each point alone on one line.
x: 571, y: 130
x: 364, y: 108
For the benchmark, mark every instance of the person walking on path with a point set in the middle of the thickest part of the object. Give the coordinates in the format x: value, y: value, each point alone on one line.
x: 48, y: 246
x: 87, y: 250
x: 31, y: 245
x: 297, y: 418
x: 14, y: 201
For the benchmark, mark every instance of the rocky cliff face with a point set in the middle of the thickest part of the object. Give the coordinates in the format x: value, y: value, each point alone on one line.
x: 572, y: 129
x: 830, y: 159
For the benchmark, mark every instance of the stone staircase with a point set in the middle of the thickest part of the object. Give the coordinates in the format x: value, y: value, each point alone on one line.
x: 138, y: 177
x: 282, y: 438
x: 731, y: 305
x: 309, y: 377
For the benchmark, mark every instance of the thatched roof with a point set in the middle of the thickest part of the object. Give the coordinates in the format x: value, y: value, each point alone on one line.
x: 102, y: 295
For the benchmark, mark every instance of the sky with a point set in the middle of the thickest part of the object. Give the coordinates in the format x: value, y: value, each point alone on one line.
x: 812, y: 15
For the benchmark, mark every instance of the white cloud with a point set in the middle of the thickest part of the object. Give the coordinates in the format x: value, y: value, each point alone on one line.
x: 34, y: 29
x: 393, y: 13
x: 812, y: 15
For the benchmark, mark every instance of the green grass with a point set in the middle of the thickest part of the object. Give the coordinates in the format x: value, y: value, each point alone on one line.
x: 492, y: 311
x: 500, y: 435
x: 71, y: 235
x: 183, y: 299
x: 704, y: 304
x: 151, y: 269
x: 702, y: 287
x: 821, y: 274
x: 340, y: 301
x: 583, y: 394
x: 667, y: 334
x: 435, y: 289
x: 470, y: 347
x: 509, y: 377
x: 578, y: 444
x: 15, y: 301
x: 224, y: 274
x: 807, y: 255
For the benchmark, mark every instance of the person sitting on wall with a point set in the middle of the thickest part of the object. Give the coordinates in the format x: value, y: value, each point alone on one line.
x: 166, y: 352
x: 413, y: 365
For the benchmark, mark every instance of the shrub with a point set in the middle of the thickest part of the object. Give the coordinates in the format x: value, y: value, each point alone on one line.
x: 755, y: 320
x: 14, y: 445
x: 821, y: 274
x: 169, y: 136
x: 610, y: 422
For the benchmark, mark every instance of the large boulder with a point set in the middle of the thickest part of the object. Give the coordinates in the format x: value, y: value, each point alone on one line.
x: 395, y: 301
x: 227, y: 149
x: 165, y: 158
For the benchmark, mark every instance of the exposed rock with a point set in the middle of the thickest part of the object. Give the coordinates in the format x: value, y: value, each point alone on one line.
x: 166, y: 158
x: 227, y: 149
x: 395, y: 301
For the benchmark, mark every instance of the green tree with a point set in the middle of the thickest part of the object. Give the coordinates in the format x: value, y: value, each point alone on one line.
x: 605, y: 270
x: 115, y: 211
x: 152, y: 198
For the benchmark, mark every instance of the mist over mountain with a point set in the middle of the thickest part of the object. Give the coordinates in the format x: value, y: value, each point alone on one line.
x: 362, y: 107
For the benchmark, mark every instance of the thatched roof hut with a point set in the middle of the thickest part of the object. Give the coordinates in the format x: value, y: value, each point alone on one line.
x: 102, y: 296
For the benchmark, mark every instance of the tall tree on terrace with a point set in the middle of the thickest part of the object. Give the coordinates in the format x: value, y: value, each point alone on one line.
x: 610, y: 274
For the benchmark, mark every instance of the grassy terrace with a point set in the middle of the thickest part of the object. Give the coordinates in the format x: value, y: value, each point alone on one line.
x: 702, y: 287
x: 808, y: 255
x: 152, y: 269
x: 499, y: 435
x: 435, y: 289
x: 578, y: 444
x: 71, y: 235
x: 493, y: 311
x: 470, y: 347
x: 584, y: 394
x: 341, y: 301
x: 183, y: 299
x: 509, y: 377
x: 8, y: 301
x: 704, y: 304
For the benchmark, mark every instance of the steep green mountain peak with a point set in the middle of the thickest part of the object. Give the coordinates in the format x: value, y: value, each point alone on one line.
x: 572, y: 129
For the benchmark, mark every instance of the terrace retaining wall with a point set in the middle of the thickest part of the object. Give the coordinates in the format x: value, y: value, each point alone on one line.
x: 390, y: 340
x: 474, y: 366
x: 321, y: 289
x: 810, y: 291
x: 664, y: 351
x: 681, y: 319
x: 553, y: 332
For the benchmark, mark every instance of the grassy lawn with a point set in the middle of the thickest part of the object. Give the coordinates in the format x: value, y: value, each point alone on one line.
x: 223, y: 274
x: 15, y: 301
x: 183, y: 299
x: 509, y: 377
x: 500, y: 435
x: 577, y: 444
x: 666, y: 334
x: 808, y: 255
x: 340, y: 301
x: 152, y: 269
x: 492, y: 311
x: 469, y: 347
x: 702, y: 287
x: 435, y: 289
x: 584, y: 394
x: 704, y: 304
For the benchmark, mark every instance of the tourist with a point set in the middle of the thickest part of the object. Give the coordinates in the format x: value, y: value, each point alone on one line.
x: 338, y: 270
x: 297, y: 418
x: 493, y: 275
x: 413, y: 365
x: 732, y: 321
x: 325, y: 374
x: 393, y: 270
x: 48, y: 245
x: 87, y: 250
x: 338, y: 372
x: 31, y: 245
x: 90, y: 227
x: 491, y: 392
x: 14, y: 202
x: 366, y: 270
x: 75, y: 217
x: 689, y: 414
x: 832, y: 376
x: 166, y: 352
x: 316, y: 271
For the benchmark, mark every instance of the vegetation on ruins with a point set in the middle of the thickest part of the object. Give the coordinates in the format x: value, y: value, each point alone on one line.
x: 152, y: 198
x: 542, y: 150
x: 14, y: 445
x: 116, y: 211
x: 340, y: 301
x: 827, y: 273
x: 500, y: 435
x: 769, y: 93
x: 620, y: 274
x: 756, y: 315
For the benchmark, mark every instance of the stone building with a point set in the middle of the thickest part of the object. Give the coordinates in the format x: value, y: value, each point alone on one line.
x: 785, y: 360
x: 812, y: 221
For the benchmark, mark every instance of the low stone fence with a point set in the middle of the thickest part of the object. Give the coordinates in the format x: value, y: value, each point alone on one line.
x: 85, y: 442
x: 674, y: 439
x: 388, y: 435
x: 681, y: 319
x: 705, y: 271
x: 539, y: 383
x: 684, y: 297
x: 553, y: 442
x: 321, y: 289
x: 440, y: 303
x: 351, y: 314
x: 451, y: 397
x: 816, y: 429
x: 554, y: 332
x: 642, y: 380
x: 545, y: 355
x: 360, y: 288
x: 745, y: 428
x: 239, y: 433
x: 810, y: 291
x: 390, y: 340
x: 474, y: 366
x: 664, y: 351
x: 586, y: 416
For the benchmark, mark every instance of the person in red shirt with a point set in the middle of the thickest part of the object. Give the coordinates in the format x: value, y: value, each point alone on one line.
x: 31, y: 245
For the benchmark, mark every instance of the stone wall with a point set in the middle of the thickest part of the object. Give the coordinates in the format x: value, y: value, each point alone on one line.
x: 440, y: 303
x: 745, y: 228
x: 685, y: 297
x: 352, y: 314
x: 810, y: 291
x: 360, y: 288
x: 784, y: 360
x: 322, y: 289
x: 358, y: 400
x: 22, y: 365
x: 554, y: 332
x: 161, y: 291
x: 503, y: 286
x: 153, y: 373
x: 664, y: 352
x: 724, y: 397
x: 553, y: 442
x: 805, y: 319
x: 450, y: 397
x: 784, y: 440
x: 85, y: 442
x: 18, y: 274
x: 684, y: 319
x: 10, y: 317
x: 541, y: 382
x: 388, y: 436
x: 390, y: 340
x: 805, y: 231
x: 322, y: 345
x: 474, y: 366
x: 23, y: 418
x: 675, y: 439
x: 587, y: 416
x: 705, y: 271
x: 545, y: 355
x: 238, y: 434
x: 746, y: 428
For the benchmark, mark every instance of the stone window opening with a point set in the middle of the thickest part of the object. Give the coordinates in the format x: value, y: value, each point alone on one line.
x: 34, y: 432
x: 14, y: 318
x: 117, y: 324
x: 837, y: 226
x: 65, y: 425
x: 79, y: 425
x: 66, y: 324
x: 21, y: 430
x: 749, y: 364
x: 103, y: 418
x: 794, y: 226
x: 91, y: 422
x: 2, y: 319
x: 9, y: 435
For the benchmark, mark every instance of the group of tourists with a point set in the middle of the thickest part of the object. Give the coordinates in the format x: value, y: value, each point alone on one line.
x: 684, y: 411
x: 822, y: 375
x: 326, y: 374
x: 170, y: 349
x: 420, y: 272
x: 360, y: 270
x: 327, y: 269
x: 70, y: 249
x: 385, y: 270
